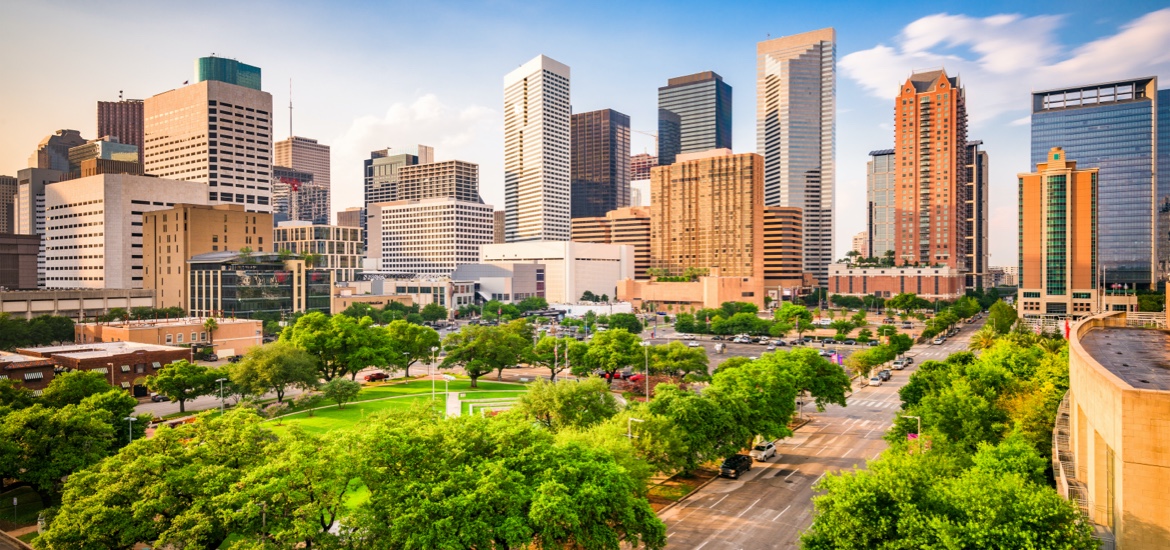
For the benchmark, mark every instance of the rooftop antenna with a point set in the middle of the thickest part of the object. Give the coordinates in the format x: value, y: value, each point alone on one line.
x: 290, y: 132
x: 119, y: 95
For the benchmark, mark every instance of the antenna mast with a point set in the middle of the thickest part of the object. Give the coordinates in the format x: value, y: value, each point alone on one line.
x: 290, y: 132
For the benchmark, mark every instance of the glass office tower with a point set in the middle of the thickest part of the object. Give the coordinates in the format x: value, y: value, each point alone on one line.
x: 600, y: 167
x: 227, y: 70
x: 702, y: 104
x: 880, y: 177
x: 1112, y: 126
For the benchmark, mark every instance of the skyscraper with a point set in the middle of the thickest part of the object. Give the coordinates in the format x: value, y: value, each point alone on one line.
x: 8, y: 187
x: 53, y: 152
x: 931, y: 178
x: 537, y: 134
x: 629, y: 225
x: 227, y: 70
x: 796, y: 85
x: 880, y: 195
x: 306, y: 155
x: 214, y: 132
x: 694, y: 114
x: 381, y: 169
x: 978, y: 188
x: 640, y: 166
x: 123, y: 119
x: 1115, y: 127
x: 600, y: 163
x: 1058, y: 212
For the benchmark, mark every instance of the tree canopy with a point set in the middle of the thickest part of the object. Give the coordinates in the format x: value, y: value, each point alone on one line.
x: 274, y: 367
x: 181, y: 381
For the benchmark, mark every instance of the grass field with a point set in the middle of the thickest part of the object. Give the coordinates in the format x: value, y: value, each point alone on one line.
x: 477, y: 395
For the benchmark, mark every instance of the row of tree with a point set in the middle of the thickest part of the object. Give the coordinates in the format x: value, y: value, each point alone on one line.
x: 976, y: 476
x: 39, y: 331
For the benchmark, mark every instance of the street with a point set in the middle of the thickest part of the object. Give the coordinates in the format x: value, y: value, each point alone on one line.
x: 772, y: 504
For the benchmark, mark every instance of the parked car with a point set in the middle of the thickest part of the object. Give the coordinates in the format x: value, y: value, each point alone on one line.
x: 771, y: 347
x: 376, y: 376
x: 938, y: 341
x: 765, y: 342
x: 850, y: 342
x: 907, y: 324
x: 625, y: 374
x: 212, y: 357
x: 888, y: 321
x: 875, y: 381
x: 885, y: 375
x: 637, y: 377
x: 687, y: 336
x: 156, y: 398
x: 900, y: 364
x: 735, y: 465
x: 826, y: 353
x: 235, y: 358
x: 717, y: 337
x: 693, y: 344
x: 829, y: 342
x: 873, y: 343
x: 779, y: 343
x: 763, y: 451
x: 909, y: 361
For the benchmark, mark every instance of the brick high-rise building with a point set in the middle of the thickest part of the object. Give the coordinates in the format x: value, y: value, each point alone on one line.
x: 640, y: 165
x: 622, y: 226
x: 173, y: 236
x: 600, y: 162
x: 783, y: 255
x: 450, y: 178
x: 123, y: 119
x: 930, y: 144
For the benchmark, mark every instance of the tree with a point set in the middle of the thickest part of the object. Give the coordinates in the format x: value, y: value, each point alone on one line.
x: 678, y: 360
x: 180, y: 381
x: 413, y: 343
x: 518, y: 489
x: 611, y: 351
x: 532, y: 303
x: 274, y: 367
x: 822, y: 380
x: 983, y: 338
x: 627, y: 321
x: 70, y: 388
x: 842, y: 326
x: 561, y: 405
x: 41, y: 445
x: 479, y: 350
x: 864, y: 335
x: 588, y: 296
x: 357, y: 310
x: 552, y: 353
x: 245, y: 255
x: 120, y: 405
x: 13, y: 395
x: 1001, y: 317
x: 340, y: 344
x: 210, y: 325
x: 433, y: 312
x: 760, y: 398
x: 173, y: 490
x: 341, y: 391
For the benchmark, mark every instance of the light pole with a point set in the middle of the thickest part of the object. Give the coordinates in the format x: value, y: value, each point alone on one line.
x: 630, y: 426
x: 646, y: 348
x: 434, y: 353
x: 917, y: 435
x: 447, y: 378
x: 130, y: 420
x: 221, y: 381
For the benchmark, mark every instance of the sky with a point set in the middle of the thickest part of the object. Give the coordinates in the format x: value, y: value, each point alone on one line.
x: 371, y: 75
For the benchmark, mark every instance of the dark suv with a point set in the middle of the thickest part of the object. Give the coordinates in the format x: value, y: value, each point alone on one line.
x: 735, y: 465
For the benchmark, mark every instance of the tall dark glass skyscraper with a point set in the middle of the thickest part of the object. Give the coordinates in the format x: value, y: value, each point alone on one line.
x: 1114, y: 126
x: 694, y: 114
x: 600, y: 167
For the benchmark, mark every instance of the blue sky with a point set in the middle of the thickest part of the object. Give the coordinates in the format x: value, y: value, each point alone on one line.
x: 368, y: 75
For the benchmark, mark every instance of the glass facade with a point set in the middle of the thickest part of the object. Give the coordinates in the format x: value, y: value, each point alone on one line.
x: 882, y: 199
x: 702, y: 104
x: 245, y: 290
x: 601, y: 163
x: 1111, y: 127
x: 227, y: 70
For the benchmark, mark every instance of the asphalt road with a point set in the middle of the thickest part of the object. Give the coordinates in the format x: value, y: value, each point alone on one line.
x: 772, y: 504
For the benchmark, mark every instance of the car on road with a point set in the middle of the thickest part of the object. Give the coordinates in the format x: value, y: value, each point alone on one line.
x: 889, y: 321
x: 779, y: 343
x: 873, y: 343
x: 752, y: 358
x: 156, y: 398
x: 826, y: 353
x: 771, y: 347
x: 735, y: 465
x: 885, y: 375
x: 717, y: 337
x: 900, y: 364
x: 850, y: 342
x: 637, y: 377
x: 763, y: 451
x: 875, y: 381
x: 374, y: 377
x: 907, y: 324
x: 693, y: 344
x: 939, y: 341
x: 829, y: 342
x: 687, y: 336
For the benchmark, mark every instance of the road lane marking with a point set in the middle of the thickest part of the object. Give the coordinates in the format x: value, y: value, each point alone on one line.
x: 793, y: 472
x: 782, y: 512
x: 750, y: 506
x: 718, y: 501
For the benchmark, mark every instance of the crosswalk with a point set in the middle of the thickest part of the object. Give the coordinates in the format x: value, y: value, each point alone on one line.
x: 877, y: 404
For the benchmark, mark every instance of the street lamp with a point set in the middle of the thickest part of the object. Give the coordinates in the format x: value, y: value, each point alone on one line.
x: 130, y: 420
x: 630, y: 426
x: 646, y: 348
x: 221, y: 381
x: 918, y: 435
x: 434, y: 352
x: 447, y: 379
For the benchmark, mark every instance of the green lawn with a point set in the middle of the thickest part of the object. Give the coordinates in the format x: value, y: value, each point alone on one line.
x: 391, y: 389
x: 468, y: 396
x: 331, y: 418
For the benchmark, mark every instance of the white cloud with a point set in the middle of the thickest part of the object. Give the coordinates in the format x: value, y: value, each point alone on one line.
x: 473, y: 133
x: 1002, y: 58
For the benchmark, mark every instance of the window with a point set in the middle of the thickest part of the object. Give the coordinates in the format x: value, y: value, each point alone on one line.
x: 193, y: 335
x: 202, y: 336
x: 180, y: 338
x: 168, y: 338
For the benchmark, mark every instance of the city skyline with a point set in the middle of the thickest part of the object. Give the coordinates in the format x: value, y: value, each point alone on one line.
x: 996, y: 54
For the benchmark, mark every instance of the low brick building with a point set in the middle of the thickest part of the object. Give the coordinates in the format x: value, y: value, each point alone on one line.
x: 235, y: 335
x: 124, y: 364
x: 33, y: 373
x: 941, y: 282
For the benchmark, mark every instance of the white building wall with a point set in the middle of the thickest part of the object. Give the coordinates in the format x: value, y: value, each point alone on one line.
x: 93, y: 227
x: 428, y: 236
x: 571, y: 268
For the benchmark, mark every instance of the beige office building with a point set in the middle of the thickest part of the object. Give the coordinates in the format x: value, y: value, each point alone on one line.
x: 93, y: 227
x: 622, y: 226
x: 451, y: 178
x: 428, y: 236
x: 306, y: 155
x: 174, y: 235
x: 333, y: 247
x: 217, y: 134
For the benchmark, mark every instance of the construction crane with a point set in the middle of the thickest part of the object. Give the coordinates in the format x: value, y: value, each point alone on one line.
x: 655, y: 136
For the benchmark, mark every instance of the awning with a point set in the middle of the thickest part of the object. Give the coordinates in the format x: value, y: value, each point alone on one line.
x: 126, y: 385
x: 38, y: 375
x: 157, y: 365
x: 125, y: 368
x: 102, y: 370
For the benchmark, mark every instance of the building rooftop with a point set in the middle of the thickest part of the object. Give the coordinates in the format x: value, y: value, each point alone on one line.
x: 181, y: 321
x: 880, y: 152
x: 10, y: 360
x: 1136, y: 355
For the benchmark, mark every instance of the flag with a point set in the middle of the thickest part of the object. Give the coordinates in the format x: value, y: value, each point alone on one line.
x: 1066, y: 329
x: 911, y: 437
